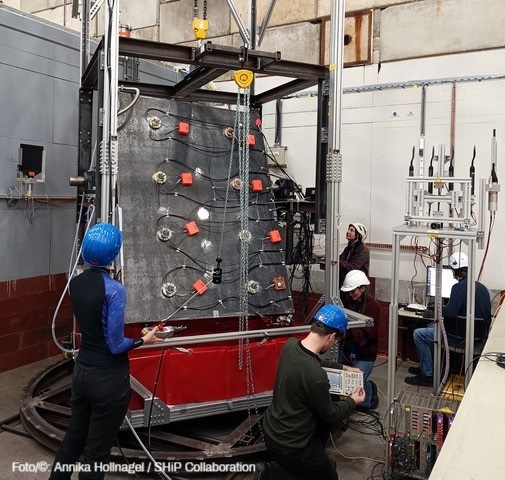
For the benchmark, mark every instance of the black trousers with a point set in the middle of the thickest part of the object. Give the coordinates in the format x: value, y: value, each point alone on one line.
x: 99, y: 402
x: 308, y: 463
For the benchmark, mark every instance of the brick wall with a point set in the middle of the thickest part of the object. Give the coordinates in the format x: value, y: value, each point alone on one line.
x: 26, y: 311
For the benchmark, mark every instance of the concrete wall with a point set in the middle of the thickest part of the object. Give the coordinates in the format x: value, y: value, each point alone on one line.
x: 403, y: 28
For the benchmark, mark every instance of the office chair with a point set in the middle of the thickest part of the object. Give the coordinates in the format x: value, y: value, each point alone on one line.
x: 456, y: 335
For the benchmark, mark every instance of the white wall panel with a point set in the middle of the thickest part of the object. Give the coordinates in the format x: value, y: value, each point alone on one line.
x: 377, y: 147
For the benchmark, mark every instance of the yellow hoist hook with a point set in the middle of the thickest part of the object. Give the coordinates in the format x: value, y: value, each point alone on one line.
x: 243, y: 78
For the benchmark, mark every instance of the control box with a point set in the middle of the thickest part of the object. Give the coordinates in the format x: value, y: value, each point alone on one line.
x: 422, y: 422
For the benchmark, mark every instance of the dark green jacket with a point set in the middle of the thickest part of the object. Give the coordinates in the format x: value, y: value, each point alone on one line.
x: 301, y: 399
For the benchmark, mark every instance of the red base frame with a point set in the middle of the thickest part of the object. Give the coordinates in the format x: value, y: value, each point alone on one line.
x: 210, y: 372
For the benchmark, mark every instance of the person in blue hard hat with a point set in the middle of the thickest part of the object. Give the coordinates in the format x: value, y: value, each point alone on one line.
x: 101, y: 379
x: 297, y: 423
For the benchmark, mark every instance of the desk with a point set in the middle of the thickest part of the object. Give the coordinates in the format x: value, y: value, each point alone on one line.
x: 473, y: 449
x: 408, y: 321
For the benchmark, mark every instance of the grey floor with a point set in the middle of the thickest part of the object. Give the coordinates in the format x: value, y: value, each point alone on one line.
x: 359, y: 451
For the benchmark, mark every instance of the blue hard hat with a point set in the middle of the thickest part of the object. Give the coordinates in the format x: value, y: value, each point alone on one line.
x: 333, y: 317
x: 101, y: 245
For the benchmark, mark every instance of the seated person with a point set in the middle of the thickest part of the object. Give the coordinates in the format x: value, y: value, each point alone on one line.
x: 360, y: 345
x: 424, y: 337
x: 297, y: 423
x: 356, y: 255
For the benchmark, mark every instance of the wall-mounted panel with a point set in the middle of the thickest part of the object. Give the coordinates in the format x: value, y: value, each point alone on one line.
x: 357, y: 38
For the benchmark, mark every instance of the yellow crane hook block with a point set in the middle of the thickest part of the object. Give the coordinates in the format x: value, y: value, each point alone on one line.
x: 200, y: 27
x: 243, y: 78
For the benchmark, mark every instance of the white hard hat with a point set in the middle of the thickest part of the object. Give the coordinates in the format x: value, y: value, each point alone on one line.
x: 458, y: 260
x: 361, y: 229
x: 354, y: 279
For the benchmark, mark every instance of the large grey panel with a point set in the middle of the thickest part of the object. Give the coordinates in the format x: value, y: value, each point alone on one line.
x: 39, y: 68
x: 27, y: 104
x: 185, y: 259
x: 31, y: 44
x: 66, y: 104
x: 36, y: 239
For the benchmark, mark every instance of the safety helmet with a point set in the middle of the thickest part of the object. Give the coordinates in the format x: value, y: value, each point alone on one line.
x: 458, y: 260
x: 333, y: 317
x: 101, y: 245
x: 354, y: 279
x: 360, y: 229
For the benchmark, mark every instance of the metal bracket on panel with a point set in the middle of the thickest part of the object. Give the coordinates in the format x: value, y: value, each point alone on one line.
x: 94, y: 9
x: 324, y: 134
x: 201, y: 50
x: 113, y: 156
x: 322, y: 226
x: 102, y: 60
x: 13, y: 196
x: 326, y: 88
x: 334, y: 167
x: 101, y: 116
x: 160, y: 412
x: 130, y: 68
x: 104, y: 164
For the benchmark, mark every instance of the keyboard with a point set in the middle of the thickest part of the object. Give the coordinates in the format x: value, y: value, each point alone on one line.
x: 343, y: 382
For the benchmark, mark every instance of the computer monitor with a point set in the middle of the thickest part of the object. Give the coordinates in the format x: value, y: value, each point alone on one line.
x: 448, y: 281
x: 310, y: 194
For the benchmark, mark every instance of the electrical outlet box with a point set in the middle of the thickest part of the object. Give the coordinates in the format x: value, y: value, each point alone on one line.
x: 279, y: 154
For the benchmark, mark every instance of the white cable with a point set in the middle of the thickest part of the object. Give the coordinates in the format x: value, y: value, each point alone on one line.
x: 76, y: 235
x: 353, y: 458
x: 53, y: 324
x: 135, y: 98
x: 157, y: 466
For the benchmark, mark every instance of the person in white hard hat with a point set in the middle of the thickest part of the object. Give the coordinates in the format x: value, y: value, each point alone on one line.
x: 424, y: 337
x: 360, y: 345
x: 356, y: 255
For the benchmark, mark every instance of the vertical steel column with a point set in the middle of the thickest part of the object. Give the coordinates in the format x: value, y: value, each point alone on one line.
x: 470, y: 312
x: 253, y: 24
x: 108, y: 148
x: 85, y: 42
x: 437, y: 336
x: 321, y: 152
x: 113, y: 155
x: 334, y: 159
x: 393, y: 335
x: 100, y: 136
